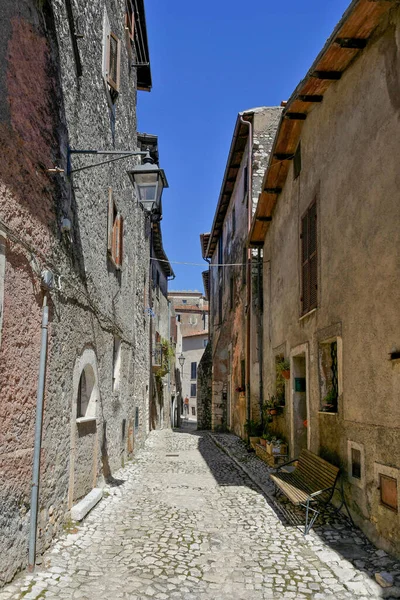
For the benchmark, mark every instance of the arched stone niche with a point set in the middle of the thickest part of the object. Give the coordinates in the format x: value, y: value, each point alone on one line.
x: 84, y: 432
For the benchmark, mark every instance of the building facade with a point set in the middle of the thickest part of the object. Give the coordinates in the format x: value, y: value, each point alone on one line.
x: 328, y: 220
x: 235, y: 275
x: 191, y: 309
x: 74, y: 246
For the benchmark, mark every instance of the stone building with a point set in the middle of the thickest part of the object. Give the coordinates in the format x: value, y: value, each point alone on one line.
x: 78, y: 241
x: 328, y: 221
x: 235, y: 275
x: 191, y: 309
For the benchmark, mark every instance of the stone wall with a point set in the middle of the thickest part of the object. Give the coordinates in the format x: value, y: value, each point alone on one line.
x: 45, y: 108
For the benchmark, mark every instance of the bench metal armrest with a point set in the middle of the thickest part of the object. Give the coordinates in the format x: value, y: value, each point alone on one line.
x: 321, y: 491
x: 285, y: 464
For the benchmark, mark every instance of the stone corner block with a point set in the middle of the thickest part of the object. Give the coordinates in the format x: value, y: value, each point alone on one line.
x: 81, y: 509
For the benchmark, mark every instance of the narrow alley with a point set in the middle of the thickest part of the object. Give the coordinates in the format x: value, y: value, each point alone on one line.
x: 184, y: 521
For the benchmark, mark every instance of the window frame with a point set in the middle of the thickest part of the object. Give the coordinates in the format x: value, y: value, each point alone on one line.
x: 193, y: 369
x: 115, y: 232
x: 309, y: 258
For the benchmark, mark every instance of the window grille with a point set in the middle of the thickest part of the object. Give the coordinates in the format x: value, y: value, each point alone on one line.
x: 309, y: 259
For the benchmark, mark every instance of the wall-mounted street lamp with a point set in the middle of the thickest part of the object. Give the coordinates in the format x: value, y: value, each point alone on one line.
x: 181, y: 360
x: 149, y: 181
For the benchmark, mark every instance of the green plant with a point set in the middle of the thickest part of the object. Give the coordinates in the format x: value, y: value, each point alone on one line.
x: 272, y: 402
x: 283, y: 365
x: 252, y: 428
x: 167, y: 356
x: 330, y: 400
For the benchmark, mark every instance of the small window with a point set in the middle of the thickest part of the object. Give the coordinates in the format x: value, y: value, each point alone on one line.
x: 193, y: 411
x: 129, y: 21
x: 193, y: 370
x: 184, y: 301
x: 193, y: 390
x: 233, y: 221
x: 205, y: 342
x: 115, y: 232
x: 243, y: 374
x: 297, y: 162
x: 116, y: 363
x: 388, y: 489
x: 83, y: 396
x: 113, y: 58
x: 178, y: 318
x: 309, y: 279
x: 355, y: 463
x: 136, y: 418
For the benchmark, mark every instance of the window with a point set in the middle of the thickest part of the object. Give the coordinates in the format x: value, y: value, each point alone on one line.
x: 193, y: 370
x: 233, y: 221
x: 83, y: 396
x: 329, y: 358
x: 388, y: 491
x: 356, y: 463
x: 309, y: 259
x: 111, y: 60
x: 136, y: 418
x: 184, y: 301
x: 129, y: 21
x: 193, y: 411
x: 192, y: 320
x: 297, y: 162
x: 116, y: 363
x: 178, y: 318
x: 243, y: 374
x: 205, y: 342
x: 115, y: 232
x: 231, y: 293
x: 193, y: 390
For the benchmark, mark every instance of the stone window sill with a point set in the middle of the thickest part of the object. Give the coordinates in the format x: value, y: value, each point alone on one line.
x: 308, y: 314
x: 85, y: 419
x: 323, y: 412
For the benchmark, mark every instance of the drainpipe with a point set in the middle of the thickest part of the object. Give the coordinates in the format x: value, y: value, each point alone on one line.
x: 260, y: 331
x: 38, y: 437
x: 248, y: 270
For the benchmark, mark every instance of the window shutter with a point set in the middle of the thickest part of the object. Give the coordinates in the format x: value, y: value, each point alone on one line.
x: 304, y: 263
x: 312, y: 253
x: 113, y: 60
x: 110, y: 221
x: 117, y: 241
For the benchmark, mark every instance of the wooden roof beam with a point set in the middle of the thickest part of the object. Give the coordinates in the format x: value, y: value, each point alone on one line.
x: 294, y: 116
x: 353, y: 43
x: 310, y: 98
x: 330, y: 75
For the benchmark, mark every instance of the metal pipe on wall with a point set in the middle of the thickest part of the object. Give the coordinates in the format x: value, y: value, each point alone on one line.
x: 38, y: 437
x: 248, y: 269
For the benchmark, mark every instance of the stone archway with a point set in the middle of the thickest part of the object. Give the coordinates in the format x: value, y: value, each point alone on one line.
x: 84, y: 463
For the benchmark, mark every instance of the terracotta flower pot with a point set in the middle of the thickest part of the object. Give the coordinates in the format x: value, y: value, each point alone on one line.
x: 273, y: 411
x: 263, y: 442
x: 286, y: 374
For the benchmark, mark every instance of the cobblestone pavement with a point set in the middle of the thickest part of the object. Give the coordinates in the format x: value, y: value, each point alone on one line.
x: 186, y: 523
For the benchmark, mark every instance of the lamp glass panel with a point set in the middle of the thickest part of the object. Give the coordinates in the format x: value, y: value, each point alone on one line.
x: 146, y: 177
x: 147, y: 193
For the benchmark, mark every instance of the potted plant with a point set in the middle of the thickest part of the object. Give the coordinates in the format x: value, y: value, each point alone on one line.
x: 330, y: 402
x: 254, y: 430
x: 271, y: 405
x: 283, y: 367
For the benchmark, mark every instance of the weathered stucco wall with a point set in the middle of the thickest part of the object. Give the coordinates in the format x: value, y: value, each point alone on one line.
x: 46, y: 107
x: 349, y: 165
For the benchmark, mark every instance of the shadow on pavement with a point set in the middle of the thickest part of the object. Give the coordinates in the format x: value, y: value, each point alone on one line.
x: 333, y: 529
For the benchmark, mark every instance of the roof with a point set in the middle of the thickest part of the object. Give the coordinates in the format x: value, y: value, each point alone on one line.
x: 141, y: 48
x: 160, y: 252
x: 206, y: 283
x: 203, y: 333
x: 204, y: 239
x: 347, y: 41
x: 235, y: 156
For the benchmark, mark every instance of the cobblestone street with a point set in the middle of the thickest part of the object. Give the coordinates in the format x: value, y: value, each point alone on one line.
x: 184, y: 522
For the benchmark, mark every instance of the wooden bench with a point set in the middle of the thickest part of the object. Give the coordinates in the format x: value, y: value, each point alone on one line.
x: 313, y: 480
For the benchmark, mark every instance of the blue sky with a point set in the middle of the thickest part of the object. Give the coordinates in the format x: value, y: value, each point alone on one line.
x: 211, y: 60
